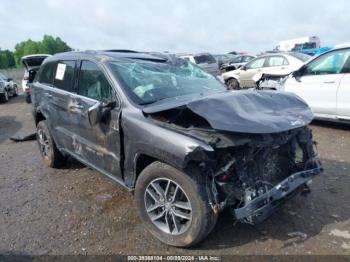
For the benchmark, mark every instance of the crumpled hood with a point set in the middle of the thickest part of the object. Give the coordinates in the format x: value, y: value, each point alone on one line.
x: 248, y: 111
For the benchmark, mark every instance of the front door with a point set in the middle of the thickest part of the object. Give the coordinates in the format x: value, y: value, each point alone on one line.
x: 247, y: 73
x: 97, y: 145
x: 343, y: 97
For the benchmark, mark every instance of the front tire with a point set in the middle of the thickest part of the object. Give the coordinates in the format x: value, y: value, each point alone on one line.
x: 47, y: 146
x: 233, y: 84
x: 174, y: 206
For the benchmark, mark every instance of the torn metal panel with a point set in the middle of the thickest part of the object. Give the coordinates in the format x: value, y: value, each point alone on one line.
x: 249, y: 111
x: 28, y: 137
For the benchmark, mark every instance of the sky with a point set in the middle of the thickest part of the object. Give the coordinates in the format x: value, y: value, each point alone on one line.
x: 174, y: 25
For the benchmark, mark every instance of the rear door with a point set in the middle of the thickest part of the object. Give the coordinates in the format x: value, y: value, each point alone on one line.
x: 319, y: 82
x: 97, y: 145
x: 276, y: 64
x: 59, y: 97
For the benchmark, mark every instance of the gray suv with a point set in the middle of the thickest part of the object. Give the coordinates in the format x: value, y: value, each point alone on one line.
x: 171, y: 133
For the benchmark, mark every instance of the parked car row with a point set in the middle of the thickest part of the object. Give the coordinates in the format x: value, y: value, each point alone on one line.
x: 277, y: 63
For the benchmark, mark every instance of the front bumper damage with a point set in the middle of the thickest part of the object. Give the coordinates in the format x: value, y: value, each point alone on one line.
x: 261, y: 207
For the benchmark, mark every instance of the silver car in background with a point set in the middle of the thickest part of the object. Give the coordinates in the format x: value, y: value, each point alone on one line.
x: 204, y: 60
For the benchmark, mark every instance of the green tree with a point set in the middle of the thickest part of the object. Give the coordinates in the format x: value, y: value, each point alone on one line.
x: 6, y: 59
x: 49, y: 45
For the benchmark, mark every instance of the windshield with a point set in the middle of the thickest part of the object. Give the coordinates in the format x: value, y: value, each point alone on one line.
x: 147, y: 82
x: 301, y: 56
x: 204, y: 59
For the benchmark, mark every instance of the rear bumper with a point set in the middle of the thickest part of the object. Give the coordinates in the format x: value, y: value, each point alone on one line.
x: 261, y: 207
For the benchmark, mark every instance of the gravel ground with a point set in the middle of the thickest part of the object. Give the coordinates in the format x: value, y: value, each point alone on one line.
x: 74, y: 210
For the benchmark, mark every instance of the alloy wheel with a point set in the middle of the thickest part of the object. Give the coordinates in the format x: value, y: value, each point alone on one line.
x: 168, y: 206
x: 44, y: 144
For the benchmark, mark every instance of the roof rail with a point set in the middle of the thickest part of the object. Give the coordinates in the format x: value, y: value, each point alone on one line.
x: 121, y: 51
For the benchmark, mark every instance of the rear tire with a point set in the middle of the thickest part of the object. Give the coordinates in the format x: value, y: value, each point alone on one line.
x: 48, y: 150
x: 28, y: 99
x: 4, y: 97
x: 15, y: 91
x: 233, y: 84
x: 194, y: 218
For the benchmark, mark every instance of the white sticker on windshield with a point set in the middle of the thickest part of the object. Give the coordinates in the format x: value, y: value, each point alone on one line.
x: 61, y: 68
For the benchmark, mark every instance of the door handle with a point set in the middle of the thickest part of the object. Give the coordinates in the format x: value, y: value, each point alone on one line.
x: 76, y: 106
x: 329, y: 82
x: 48, y: 95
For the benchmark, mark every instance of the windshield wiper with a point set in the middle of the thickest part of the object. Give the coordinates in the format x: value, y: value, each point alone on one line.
x: 152, y: 102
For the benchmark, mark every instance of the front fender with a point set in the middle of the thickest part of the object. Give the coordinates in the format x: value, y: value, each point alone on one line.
x: 141, y: 136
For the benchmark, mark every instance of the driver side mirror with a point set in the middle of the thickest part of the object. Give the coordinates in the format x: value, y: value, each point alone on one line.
x: 299, y: 73
x: 100, y: 111
x: 243, y: 68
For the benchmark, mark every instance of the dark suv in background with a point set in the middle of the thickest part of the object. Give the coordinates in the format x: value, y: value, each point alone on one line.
x: 165, y: 129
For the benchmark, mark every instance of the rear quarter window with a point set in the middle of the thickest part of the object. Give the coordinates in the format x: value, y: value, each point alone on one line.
x: 46, y: 74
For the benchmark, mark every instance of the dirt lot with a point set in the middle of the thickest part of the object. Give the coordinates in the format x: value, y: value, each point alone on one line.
x: 75, y: 210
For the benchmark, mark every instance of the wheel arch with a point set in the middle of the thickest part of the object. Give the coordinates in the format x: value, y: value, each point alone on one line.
x: 39, y: 116
x: 231, y: 77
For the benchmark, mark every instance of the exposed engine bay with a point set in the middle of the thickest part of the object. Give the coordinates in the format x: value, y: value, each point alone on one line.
x: 246, y: 173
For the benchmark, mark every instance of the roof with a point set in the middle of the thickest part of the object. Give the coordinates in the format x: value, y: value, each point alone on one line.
x: 193, y: 54
x: 104, y: 55
x: 343, y: 45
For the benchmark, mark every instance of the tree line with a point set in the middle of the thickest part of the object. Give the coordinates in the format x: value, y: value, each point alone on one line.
x: 49, y: 45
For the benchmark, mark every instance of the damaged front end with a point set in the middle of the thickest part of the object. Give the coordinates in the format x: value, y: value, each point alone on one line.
x: 253, y: 179
x: 263, y: 150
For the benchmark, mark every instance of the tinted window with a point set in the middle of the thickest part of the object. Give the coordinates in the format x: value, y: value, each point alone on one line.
x: 46, y: 75
x: 237, y: 59
x: 204, y: 59
x: 331, y: 63
x: 93, y: 83
x: 277, y: 61
x: 64, y: 75
x: 247, y: 58
x: 256, y: 63
x: 300, y: 56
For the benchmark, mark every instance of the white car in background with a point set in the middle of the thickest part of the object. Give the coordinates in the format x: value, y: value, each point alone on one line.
x: 324, y: 83
x: 274, y: 63
x: 31, y: 63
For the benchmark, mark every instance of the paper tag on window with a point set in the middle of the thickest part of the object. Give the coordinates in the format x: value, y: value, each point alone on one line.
x: 61, y: 68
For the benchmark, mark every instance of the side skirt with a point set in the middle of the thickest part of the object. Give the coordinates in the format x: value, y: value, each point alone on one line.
x: 119, y: 181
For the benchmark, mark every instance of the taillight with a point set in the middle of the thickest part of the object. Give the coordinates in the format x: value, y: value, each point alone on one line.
x: 28, y: 90
x: 26, y: 78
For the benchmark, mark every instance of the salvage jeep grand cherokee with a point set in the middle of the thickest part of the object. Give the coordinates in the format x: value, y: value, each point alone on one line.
x: 164, y: 128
